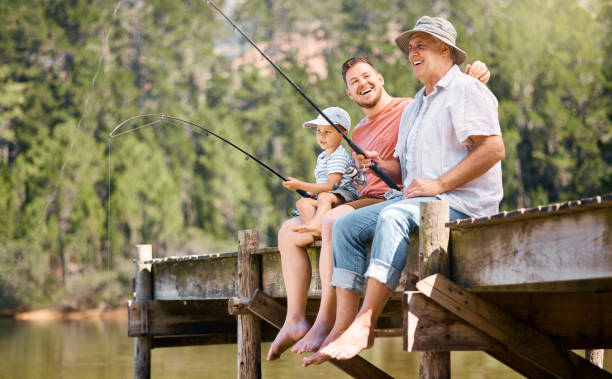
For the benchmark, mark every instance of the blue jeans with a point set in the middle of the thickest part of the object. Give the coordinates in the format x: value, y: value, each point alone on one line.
x: 388, y: 225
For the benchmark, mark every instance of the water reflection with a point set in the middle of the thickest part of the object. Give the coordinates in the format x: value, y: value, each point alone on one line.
x: 85, y: 349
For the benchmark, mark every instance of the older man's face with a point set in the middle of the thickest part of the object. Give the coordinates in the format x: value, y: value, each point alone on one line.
x: 426, y: 56
x: 364, y: 85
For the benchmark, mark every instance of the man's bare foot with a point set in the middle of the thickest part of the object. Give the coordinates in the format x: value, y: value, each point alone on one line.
x: 313, y: 227
x: 357, y: 337
x: 289, y: 333
x: 313, y: 339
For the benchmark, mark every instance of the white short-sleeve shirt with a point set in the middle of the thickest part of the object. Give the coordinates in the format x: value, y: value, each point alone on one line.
x: 433, y: 138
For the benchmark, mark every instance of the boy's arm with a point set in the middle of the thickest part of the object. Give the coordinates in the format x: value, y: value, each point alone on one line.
x: 332, y: 179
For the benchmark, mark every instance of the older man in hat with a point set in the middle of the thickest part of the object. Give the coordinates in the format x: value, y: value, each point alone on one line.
x: 449, y: 147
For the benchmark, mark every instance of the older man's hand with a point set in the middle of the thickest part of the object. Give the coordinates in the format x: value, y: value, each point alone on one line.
x: 478, y: 70
x: 423, y: 187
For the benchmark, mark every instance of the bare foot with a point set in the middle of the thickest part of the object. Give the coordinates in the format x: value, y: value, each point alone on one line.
x: 289, y: 333
x: 315, y: 359
x: 358, y: 336
x: 312, y: 227
x: 313, y: 339
x: 320, y: 357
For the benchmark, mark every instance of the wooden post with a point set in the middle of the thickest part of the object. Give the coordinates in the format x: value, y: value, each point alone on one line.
x: 433, y: 258
x: 595, y: 356
x: 144, y: 291
x: 249, y: 325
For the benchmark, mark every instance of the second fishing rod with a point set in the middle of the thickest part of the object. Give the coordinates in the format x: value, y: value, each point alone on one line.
x: 377, y: 170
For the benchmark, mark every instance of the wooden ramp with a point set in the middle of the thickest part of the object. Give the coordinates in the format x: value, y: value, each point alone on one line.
x: 526, y: 287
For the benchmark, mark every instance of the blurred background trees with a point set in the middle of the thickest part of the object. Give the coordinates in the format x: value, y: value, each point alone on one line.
x: 70, y: 70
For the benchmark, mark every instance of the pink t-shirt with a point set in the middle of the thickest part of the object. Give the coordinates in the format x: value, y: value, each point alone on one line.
x: 379, y: 133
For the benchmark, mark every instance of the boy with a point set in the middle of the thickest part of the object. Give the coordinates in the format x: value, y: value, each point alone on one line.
x: 333, y: 185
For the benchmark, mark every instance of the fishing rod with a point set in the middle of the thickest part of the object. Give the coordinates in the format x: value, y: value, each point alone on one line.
x: 166, y: 118
x: 377, y: 170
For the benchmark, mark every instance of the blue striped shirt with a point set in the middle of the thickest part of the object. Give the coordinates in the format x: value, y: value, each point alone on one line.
x: 337, y: 162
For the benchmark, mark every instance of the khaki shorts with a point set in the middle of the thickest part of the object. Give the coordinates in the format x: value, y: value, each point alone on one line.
x: 365, y: 201
x: 345, y: 195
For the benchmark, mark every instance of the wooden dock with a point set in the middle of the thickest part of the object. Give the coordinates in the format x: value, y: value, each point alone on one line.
x: 526, y: 287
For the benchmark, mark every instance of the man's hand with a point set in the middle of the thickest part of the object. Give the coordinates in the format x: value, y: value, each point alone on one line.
x: 292, y: 184
x: 478, y: 70
x: 365, y: 160
x: 423, y: 187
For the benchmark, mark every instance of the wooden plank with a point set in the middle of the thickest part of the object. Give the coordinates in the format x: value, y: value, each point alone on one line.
x: 572, y: 246
x: 177, y: 317
x: 268, y: 309
x: 430, y: 327
x: 576, y: 321
x: 520, y: 365
x: 249, y: 329
x: 198, y: 279
x: 520, y: 338
x: 572, y: 206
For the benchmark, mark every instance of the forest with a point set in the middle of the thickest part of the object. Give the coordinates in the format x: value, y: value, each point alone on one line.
x: 74, y: 202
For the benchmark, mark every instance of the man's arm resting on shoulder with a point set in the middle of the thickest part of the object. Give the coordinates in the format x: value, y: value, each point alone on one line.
x: 487, y: 152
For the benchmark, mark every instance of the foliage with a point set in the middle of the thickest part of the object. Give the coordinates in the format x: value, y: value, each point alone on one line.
x: 70, y: 70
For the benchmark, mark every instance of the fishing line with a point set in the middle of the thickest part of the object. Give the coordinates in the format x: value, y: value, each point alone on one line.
x: 171, y: 120
x: 373, y: 166
x: 85, y: 109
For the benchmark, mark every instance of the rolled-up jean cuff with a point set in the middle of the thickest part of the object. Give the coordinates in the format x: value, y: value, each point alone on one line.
x: 384, y: 273
x: 347, y: 279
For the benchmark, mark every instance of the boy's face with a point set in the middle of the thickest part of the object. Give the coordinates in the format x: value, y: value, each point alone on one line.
x: 328, y: 137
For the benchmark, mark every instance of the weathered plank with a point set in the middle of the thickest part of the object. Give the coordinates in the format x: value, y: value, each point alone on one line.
x: 195, y: 279
x: 520, y: 338
x: 429, y: 327
x: 574, y: 320
x: 211, y: 277
x: 179, y: 317
x: 561, y: 247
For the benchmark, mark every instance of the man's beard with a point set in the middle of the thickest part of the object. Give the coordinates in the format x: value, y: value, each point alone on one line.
x: 370, y: 104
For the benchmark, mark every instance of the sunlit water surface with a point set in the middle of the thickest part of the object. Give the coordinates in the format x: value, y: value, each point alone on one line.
x: 86, y: 349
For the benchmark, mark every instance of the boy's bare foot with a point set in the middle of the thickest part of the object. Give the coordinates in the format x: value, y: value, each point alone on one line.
x: 313, y: 339
x: 357, y: 337
x: 315, y: 359
x: 289, y: 333
x: 312, y: 227
x: 319, y: 357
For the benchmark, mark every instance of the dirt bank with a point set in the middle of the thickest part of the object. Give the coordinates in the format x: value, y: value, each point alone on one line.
x: 45, y: 315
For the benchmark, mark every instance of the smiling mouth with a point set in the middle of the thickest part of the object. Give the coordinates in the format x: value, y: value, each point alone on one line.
x: 416, y: 63
x: 366, y: 91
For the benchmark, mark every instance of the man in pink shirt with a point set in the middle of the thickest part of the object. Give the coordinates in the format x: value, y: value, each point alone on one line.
x: 376, y: 132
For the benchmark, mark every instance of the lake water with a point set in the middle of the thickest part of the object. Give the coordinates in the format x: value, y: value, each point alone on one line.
x: 90, y: 350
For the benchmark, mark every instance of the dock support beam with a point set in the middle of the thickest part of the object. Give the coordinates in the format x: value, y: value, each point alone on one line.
x: 144, y: 291
x: 249, y: 325
x: 434, y: 259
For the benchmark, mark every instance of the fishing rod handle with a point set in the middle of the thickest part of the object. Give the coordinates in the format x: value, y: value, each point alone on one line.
x: 381, y: 174
x: 303, y: 193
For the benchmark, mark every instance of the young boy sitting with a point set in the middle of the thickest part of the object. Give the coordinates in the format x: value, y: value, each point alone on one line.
x: 333, y: 186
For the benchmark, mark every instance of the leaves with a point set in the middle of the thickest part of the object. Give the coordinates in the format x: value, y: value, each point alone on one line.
x: 71, y: 70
